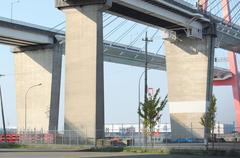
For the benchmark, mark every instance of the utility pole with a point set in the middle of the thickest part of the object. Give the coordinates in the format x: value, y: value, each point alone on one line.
x: 3, y: 118
x: 146, y: 40
x: 146, y: 64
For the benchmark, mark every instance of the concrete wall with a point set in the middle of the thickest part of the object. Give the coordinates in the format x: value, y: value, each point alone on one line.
x: 187, y: 70
x: 84, y: 94
x: 33, y: 66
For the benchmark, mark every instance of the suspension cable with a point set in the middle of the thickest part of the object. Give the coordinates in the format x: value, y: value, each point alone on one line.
x: 215, y: 6
x: 115, y: 29
x: 155, y: 33
x: 110, y: 22
x: 138, y: 36
x: 57, y: 25
x: 236, y: 12
x: 125, y: 33
x: 160, y: 48
x: 229, y: 14
x: 107, y: 18
x: 210, y: 4
x: 225, y: 5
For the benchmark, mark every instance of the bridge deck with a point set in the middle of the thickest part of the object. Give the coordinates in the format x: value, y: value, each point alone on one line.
x: 24, y: 34
x: 13, y: 32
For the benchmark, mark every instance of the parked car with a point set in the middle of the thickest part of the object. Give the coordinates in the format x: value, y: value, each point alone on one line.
x: 183, y: 140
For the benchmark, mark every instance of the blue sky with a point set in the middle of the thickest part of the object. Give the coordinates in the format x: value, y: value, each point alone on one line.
x: 121, y: 81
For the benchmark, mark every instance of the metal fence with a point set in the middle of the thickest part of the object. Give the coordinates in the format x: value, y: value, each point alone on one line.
x: 127, y: 135
x: 66, y: 137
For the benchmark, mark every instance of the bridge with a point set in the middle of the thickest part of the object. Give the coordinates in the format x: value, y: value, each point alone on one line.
x: 22, y: 34
x: 191, y: 34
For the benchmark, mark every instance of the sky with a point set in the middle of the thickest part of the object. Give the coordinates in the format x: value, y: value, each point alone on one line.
x: 121, y: 81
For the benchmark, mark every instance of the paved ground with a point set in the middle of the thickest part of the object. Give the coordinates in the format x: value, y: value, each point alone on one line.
x: 87, y: 154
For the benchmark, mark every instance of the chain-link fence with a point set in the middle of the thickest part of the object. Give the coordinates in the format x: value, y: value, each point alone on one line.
x: 225, y: 136
x: 66, y: 137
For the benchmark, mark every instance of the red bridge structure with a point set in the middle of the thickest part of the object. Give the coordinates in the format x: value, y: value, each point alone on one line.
x: 227, y: 78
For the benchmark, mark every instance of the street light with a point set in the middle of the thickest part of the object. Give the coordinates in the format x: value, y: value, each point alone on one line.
x: 12, y: 3
x: 26, y: 103
x: 3, y: 118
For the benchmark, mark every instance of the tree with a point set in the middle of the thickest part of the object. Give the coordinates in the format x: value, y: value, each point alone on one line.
x: 150, y: 112
x: 208, y: 119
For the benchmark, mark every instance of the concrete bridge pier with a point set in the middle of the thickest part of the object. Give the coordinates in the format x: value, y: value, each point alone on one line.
x: 38, y: 105
x: 189, y: 70
x: 84, y: 89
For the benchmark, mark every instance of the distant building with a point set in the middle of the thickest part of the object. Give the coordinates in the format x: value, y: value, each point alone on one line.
x: 221, y: 128
x: 133, y: 129
x: 160, y: 129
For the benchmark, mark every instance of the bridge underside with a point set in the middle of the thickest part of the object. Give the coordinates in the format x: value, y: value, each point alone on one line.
x: 228, y: 41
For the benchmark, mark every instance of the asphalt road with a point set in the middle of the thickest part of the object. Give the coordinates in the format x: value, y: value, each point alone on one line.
x: 89, y: 154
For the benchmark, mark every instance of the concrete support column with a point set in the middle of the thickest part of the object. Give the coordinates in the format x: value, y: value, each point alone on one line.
x: 34, y: 65
x: 84, y: 90
x: 189, y: 70
x: 58, y: 50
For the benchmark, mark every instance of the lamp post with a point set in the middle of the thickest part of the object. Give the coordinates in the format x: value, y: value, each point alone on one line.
x: 3, y: 118
x: 12, y: 3
x: 26, y: 103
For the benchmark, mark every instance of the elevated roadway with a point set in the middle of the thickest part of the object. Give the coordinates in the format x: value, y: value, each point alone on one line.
x: 172, y: 15
x: 179, y: 16
x: 21, y: 34
x: 18, y: 33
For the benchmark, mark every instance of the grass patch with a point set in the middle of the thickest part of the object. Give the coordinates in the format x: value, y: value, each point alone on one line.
x: 11, y: 146
x: 164, y: 151
x: 205, y: 153
x: 55, y: 147
x: 106, y: 149
x: 146, y: 150
x: 43, y: 146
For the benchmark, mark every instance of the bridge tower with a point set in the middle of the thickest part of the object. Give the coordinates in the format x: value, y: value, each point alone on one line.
x: 84, y: 90
x: 190, y: 64
x: 233, y: 68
